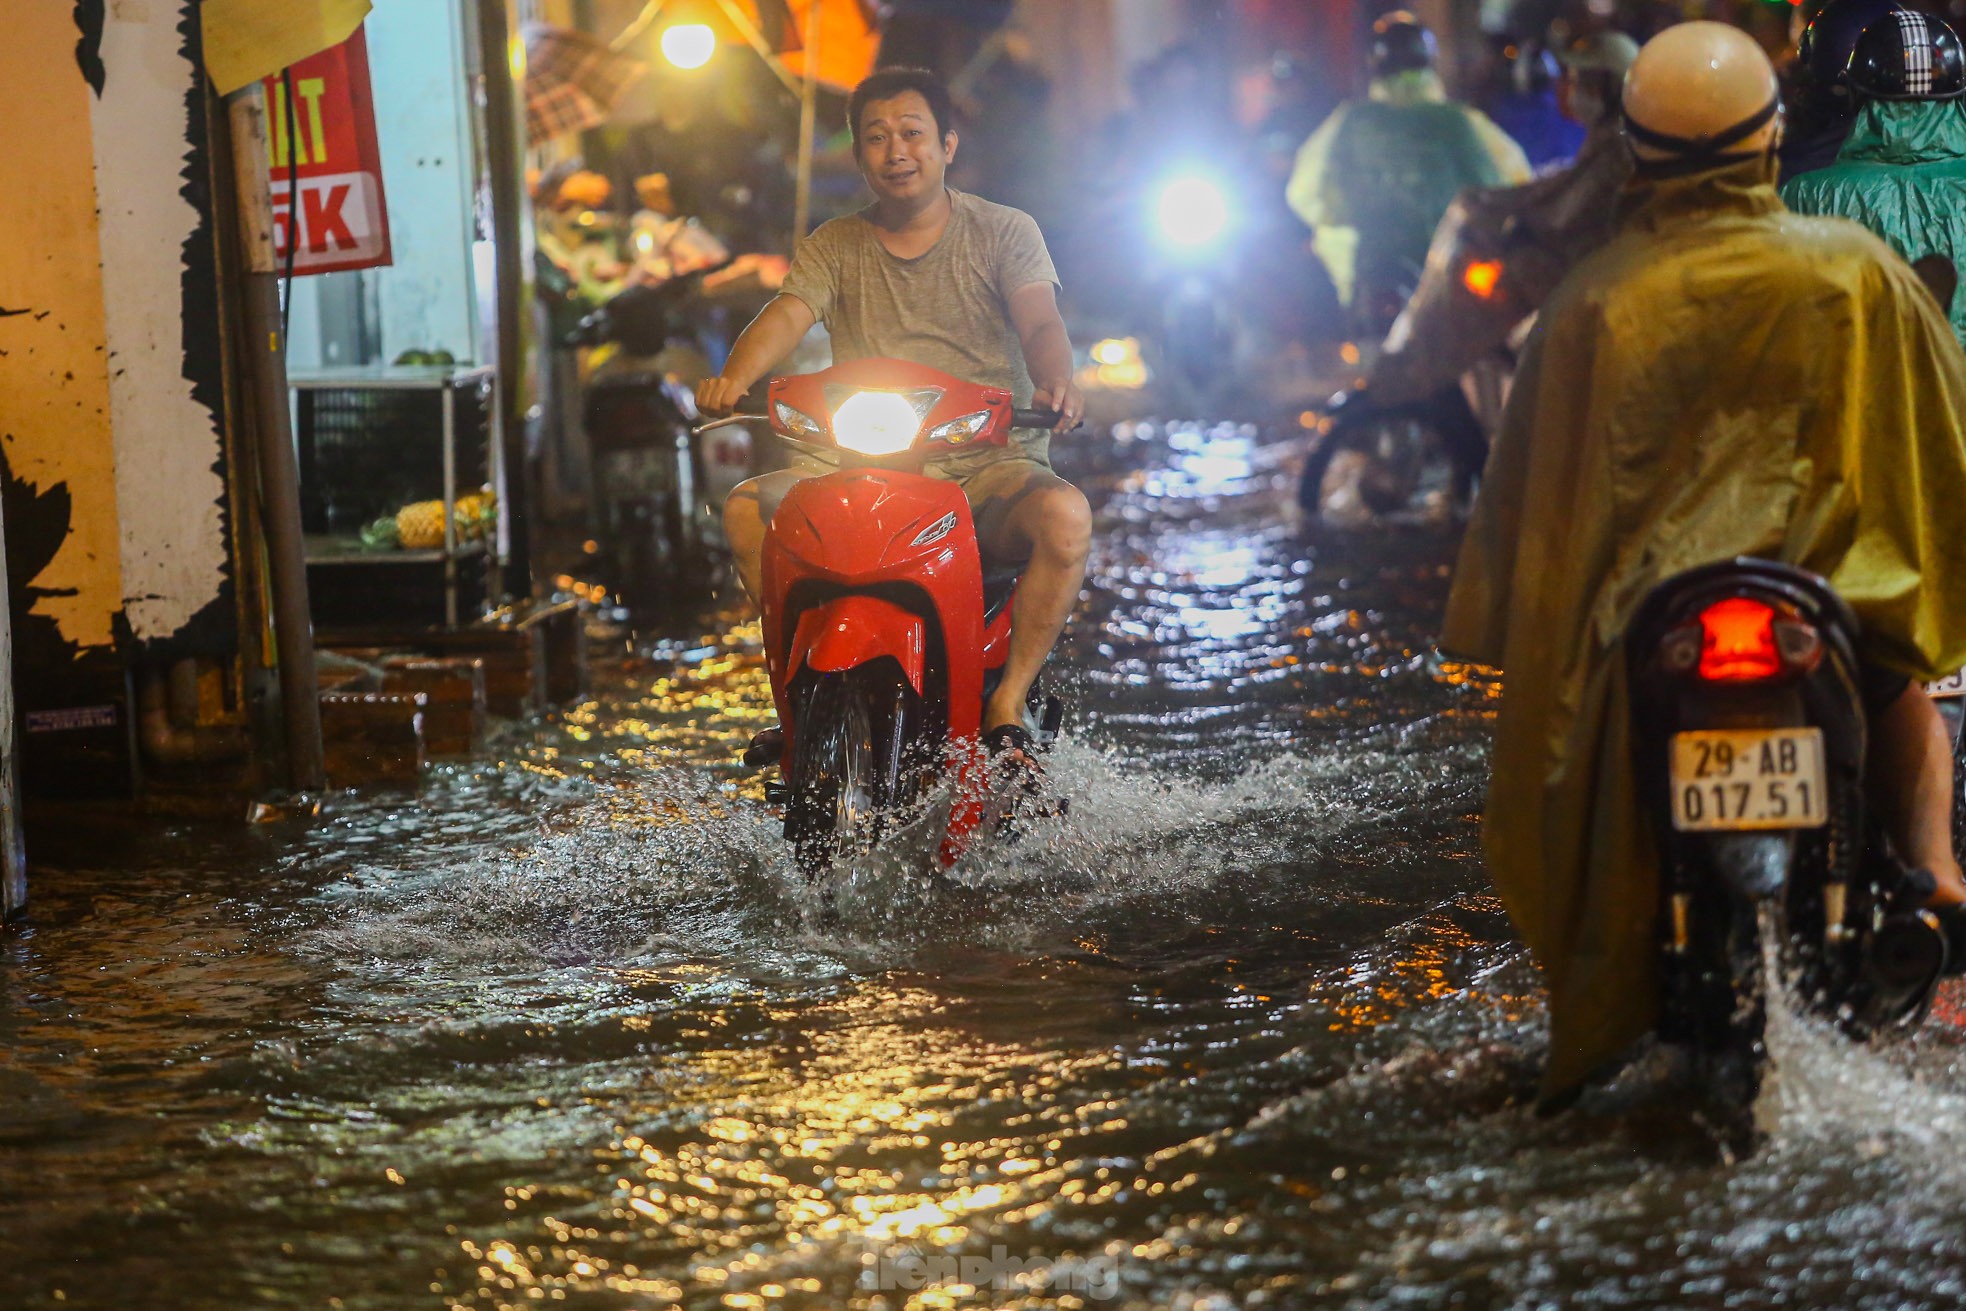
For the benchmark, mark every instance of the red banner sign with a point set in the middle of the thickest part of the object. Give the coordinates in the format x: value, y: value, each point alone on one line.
x: 325, y: 137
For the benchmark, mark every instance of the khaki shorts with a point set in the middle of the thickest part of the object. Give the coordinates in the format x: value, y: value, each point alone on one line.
x: 994, y: 489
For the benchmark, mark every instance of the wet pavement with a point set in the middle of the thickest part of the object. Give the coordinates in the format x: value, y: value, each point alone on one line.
x: 1245, y: 1028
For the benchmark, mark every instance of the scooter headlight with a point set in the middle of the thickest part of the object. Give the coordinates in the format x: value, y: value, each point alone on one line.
x: 881, y: 422
x: 1193, y: 212
x: 960, y: 430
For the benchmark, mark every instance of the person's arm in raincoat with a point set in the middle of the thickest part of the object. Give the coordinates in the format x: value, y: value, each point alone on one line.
x: 1310, y: 196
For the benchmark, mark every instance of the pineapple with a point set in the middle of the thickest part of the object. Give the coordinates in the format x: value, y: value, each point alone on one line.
x: 420, y: 526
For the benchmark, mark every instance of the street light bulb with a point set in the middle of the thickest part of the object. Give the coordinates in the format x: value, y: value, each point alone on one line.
x: 689, y: 45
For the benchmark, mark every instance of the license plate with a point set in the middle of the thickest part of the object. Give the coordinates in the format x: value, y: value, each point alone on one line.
x: 1951, y: 685
x: 1748, y: 779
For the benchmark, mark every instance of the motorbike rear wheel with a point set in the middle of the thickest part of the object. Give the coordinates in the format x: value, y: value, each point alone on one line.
x: 1727, y: 1007
x: 851, y: 765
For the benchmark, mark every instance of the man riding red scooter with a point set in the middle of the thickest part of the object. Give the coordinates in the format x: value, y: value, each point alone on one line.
x: 884, y: 632
x: 963, y: 286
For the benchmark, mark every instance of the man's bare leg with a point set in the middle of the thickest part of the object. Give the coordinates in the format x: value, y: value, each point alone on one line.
x: 747, y: 513
x: 1055, y: 524
x: 1911, y: 784
x: 744, y: 529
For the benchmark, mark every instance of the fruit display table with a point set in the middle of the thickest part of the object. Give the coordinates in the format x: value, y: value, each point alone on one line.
x: 400, y: 482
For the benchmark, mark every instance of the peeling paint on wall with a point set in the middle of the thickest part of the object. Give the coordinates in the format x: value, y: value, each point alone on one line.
x: 54, y: 386
x: 170, y: 490
x: 88, y: 50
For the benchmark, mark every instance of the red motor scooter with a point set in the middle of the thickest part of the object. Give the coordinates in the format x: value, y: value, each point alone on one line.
x: 884, y: 633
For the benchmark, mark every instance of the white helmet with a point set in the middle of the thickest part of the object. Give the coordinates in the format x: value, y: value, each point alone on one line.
x: 1701, y: 96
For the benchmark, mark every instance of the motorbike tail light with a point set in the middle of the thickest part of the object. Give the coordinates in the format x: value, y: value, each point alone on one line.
x: 1482, y: 277
x: 1737, y: 641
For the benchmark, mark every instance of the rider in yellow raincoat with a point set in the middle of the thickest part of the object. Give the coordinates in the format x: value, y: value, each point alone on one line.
x: 1375, y: 177
x: 1723, y: 378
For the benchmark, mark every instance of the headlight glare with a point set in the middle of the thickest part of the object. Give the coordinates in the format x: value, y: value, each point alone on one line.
x: 876, y: 423
x: 1193, y: 212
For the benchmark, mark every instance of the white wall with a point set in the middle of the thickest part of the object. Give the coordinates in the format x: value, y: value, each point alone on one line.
x: 169, y: 490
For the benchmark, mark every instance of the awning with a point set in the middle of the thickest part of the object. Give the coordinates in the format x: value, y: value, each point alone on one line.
x: 847, y: 37
x: 246, y: 40
x: 572, y: 80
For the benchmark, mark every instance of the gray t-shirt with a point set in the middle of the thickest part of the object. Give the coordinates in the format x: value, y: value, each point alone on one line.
x: 948, y: 308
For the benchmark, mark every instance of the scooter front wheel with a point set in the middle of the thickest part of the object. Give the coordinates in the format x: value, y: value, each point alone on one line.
x: 849, y: 766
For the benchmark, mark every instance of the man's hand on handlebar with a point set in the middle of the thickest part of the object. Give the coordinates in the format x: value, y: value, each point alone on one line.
x: 719, y: 396
x: 1066, y: 398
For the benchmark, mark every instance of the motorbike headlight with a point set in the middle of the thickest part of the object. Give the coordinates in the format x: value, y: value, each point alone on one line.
x: 877, y: 422
x: 1192, y: 212
x: 960, y: 430
x: 797, y: 422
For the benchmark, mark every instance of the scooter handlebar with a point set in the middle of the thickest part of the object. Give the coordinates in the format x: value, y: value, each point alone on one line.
x: 1035, y: 419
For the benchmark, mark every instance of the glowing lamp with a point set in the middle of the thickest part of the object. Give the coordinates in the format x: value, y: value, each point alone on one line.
x: 689, y: 45
x: 1482, y: 277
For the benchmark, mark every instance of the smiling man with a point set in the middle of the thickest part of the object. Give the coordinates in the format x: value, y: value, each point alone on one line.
x: 941, y: 278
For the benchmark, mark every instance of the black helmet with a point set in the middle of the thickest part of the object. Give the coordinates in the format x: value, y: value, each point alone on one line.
x: 1908, y: 56
x: 1824, y: 50
x: 1401, y: 43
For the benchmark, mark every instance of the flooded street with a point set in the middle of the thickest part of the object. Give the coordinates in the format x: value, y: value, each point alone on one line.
x: 1245, y: 1028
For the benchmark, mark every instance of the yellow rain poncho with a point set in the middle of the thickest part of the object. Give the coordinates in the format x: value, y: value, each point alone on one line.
x: 1723, y: 378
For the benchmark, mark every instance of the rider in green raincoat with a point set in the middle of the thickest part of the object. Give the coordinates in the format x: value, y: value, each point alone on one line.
x: 1722, y: 378
x: 1376, y: 176
x: 1902, y: 171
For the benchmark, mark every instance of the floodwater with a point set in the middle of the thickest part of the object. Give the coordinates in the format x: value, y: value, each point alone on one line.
x: 1244, y: 1028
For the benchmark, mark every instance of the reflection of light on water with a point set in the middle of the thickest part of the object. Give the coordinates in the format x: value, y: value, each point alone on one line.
x: 853, y: 1150
x: 1376, y: 993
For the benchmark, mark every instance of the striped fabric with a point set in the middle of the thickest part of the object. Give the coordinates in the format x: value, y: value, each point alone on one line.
x: 1915, y: 41
x: 572, y: 81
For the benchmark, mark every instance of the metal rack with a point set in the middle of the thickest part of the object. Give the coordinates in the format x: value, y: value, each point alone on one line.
x: 364, y: 443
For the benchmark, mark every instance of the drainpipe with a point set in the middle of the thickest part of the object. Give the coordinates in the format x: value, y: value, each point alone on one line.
x: 265, y: 364
x: 13, y: 853
x: 167, y: 720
